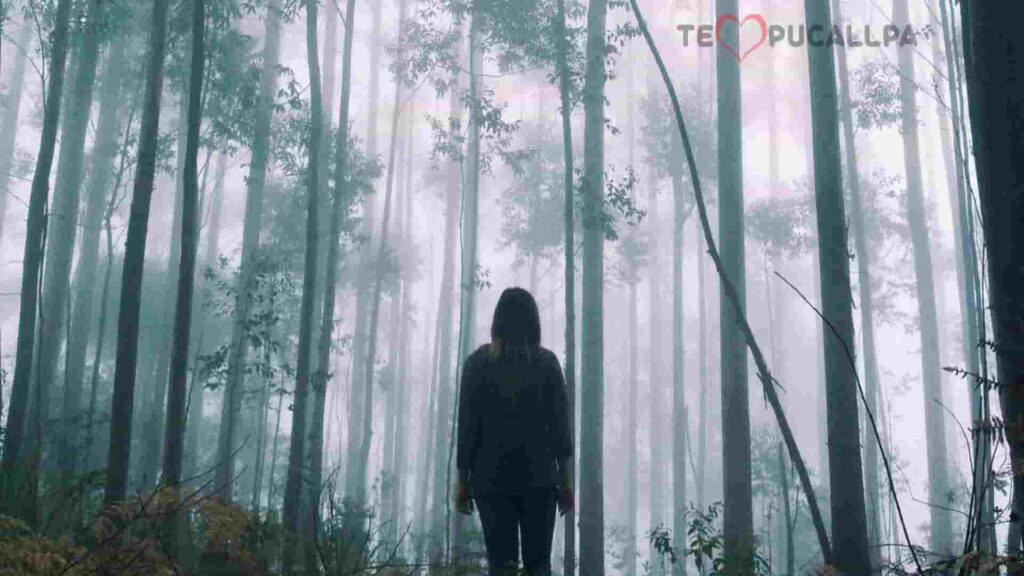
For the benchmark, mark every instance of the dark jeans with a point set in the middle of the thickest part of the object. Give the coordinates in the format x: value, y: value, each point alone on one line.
x: 507, y: 517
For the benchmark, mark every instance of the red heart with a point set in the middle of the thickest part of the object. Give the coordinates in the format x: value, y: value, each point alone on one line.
x: 757, y: 18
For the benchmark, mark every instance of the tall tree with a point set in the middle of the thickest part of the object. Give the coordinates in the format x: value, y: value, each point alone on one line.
x: 62, y: 229
x: 366, y: 256
x: 995, y: 85
x: 122, y: 404
x: 972, y: 312
x: 738, y: 515
x: 849, y: 525
x: 35, y: 237
x: 252, y: 224
x: 101, y: 173
x: 931, y: 367
x: 680, y: 212
x: 592, y: 362
x: 866, y: 293
x: 569, y: 249
x: 470, y: 227
x: 9, y: 122
x: 177, y: 386
x: 294, y: 481
x: 340, y: 203
x: 446, y: 305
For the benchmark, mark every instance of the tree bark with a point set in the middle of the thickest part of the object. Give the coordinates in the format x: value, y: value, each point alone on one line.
x: 738, y: 515
x: 592, y: 376
x: 35, y: 236
x: 61, y: 240
x: 177, y: 386
x: 864, y: 280
x: 340, y: 202
x: 235, y: 386
x: 9, y: 123
x: 849, y: 523
x: 119, y: 454
x: 994, y: 95
x: 931, y: 368
x: 678, y: 371
x: 569, y: 250
x: 296, y: 455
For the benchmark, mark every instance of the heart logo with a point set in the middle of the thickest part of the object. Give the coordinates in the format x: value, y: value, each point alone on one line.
x: 735, y: 50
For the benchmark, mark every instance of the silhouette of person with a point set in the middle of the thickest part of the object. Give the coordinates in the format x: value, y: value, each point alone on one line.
x: 514, y: 440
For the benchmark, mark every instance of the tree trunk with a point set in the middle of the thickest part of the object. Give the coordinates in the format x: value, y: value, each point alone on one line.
x: 973, y: 315
x: 197, y: 389
x: 341, y: 198
x: 119, y: 454
x: 678, y: 372
x: 738, y: 514
x: 35, y: 238
x: 296, y: 455
x: 235, y: 386
x: 865, y: 283
x: 931, y: 368
x: 788, y: 514
x: 592, y: 403
x: 702, y: 438
x: 994, y: 95
x: 177, y: 386
x: 361, y: 461
x: 445, y: 320
x: 60, y: 240
x: 849, y: 523
x: 569, y: 250
x: 470, y: 234
x: 9, y: 123
x: 656, y: 398
x: 631, y: 468
x: 364, y: 273
x: 101, y: 175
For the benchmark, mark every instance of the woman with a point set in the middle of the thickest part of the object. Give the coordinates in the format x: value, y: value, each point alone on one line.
x: 514, y: 442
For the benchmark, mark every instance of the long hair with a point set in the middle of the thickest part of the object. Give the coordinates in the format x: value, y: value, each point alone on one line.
x: 516, y: 323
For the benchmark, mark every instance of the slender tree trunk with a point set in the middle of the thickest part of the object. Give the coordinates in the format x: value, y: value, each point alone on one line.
x: 738, y: 515
x: 445, y: 383
x: 592, y: 190
x: 849, y: 522
x: 101, y: 175
x: 470, y: 234
x: 678, y: 373
x: 994, y: 93
x: 656, y: 398
x: 340, y: 201
x: 177, y: 386
x: 569, y: 250
x: 702, y: 438
x: 366, y: 258
x: 9, y: 123
x: 119, y: 454
x: 397, y: 456
x: 973, y: 316
x: 931, y: 368
x: 235, y: 386
x: 866, y: 302
x: 294, y: 481
x: 788, y: 514
x: 35, y: 237
x: 197, y: 389
x: 631, y: 468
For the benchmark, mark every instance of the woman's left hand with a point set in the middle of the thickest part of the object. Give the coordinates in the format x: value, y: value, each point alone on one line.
x: 463, y: 498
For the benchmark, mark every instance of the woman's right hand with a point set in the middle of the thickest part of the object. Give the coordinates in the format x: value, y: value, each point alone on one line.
x: 566, y: 499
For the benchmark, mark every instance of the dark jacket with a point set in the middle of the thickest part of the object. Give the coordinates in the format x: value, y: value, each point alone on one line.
x: 513, y: 420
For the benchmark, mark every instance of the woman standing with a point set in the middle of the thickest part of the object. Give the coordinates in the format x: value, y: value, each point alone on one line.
x: 514, y: 440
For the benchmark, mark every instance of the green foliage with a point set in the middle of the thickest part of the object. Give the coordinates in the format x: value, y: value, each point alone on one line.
x: 781, y: 225
x: 532, y: 206
x: 877, y: 84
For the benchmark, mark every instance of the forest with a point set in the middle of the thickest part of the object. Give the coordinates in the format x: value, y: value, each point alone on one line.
x: 246, y: 247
